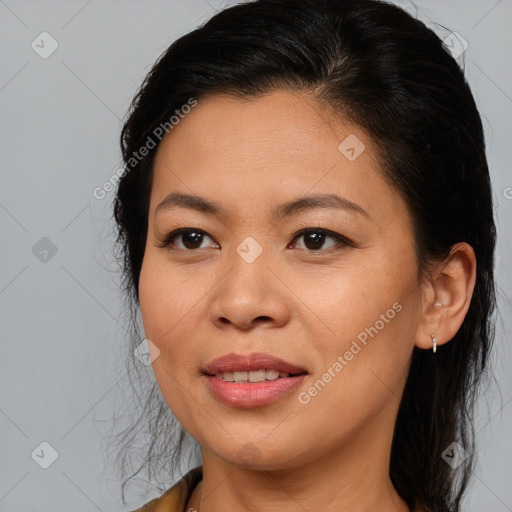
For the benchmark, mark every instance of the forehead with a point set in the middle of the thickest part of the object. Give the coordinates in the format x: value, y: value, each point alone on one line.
x: 281, y: 144
x: 279, y: 125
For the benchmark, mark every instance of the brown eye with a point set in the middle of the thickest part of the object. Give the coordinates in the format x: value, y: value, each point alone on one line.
x: 186, y: 239
x: 315, y: 239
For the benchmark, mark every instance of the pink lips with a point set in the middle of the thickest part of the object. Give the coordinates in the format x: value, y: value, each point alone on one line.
x: 255, y: 361
x: 251, y: 394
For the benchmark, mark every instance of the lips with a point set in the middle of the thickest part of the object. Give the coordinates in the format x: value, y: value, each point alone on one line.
x: 252, y: 380
x: 254, y: 362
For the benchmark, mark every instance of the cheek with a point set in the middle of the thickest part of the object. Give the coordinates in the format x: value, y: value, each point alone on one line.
x: 167, y: 299
x: 345, y: 301
x: 167, y: 304
x: 373, y: 321
x: 367, y: 316
x: 167, y: 307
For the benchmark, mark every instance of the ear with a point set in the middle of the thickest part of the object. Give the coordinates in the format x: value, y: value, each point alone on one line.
x: 446, y: 296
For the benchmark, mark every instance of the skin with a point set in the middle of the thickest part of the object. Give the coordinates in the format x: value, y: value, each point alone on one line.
x: 303, y: 305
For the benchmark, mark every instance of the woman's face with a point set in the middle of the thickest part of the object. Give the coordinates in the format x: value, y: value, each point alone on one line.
x: 339, y: 304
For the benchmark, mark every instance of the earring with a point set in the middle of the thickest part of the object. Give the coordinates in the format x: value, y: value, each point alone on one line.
x: 434, y: 343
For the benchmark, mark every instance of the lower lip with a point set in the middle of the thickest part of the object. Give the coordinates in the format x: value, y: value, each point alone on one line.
x: 252, y: 394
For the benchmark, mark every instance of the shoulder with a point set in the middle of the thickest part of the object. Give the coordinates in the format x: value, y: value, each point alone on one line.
x: 175, y: 499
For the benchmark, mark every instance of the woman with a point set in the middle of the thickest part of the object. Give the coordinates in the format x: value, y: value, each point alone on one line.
x: 307, y: 227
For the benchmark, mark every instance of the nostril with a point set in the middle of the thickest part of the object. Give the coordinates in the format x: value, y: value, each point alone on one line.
x: 258, y: 319
x: 263, y: 318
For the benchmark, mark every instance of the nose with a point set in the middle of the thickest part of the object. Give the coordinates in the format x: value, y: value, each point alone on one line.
x: 250, y: 295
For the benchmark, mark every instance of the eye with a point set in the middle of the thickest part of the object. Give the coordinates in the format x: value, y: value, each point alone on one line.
x: 315, y: 238
x: 187, y: 238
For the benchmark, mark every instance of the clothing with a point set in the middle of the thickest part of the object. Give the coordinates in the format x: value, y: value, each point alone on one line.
x: 176, y: 498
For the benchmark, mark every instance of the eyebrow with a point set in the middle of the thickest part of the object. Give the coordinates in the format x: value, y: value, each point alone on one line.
x: 198, y: 203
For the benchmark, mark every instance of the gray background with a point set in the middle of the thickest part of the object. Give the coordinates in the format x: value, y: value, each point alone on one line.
x: 61, y: 314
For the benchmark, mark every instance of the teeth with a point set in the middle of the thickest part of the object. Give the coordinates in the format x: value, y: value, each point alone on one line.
x: 240, y: 376
x: 257, y: 376
x: 251, y: 376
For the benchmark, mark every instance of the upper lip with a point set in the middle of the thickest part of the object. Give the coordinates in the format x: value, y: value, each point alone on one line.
x: 250, y: 362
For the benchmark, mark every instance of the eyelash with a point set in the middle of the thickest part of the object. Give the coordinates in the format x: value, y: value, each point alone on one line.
x: 342, y: 241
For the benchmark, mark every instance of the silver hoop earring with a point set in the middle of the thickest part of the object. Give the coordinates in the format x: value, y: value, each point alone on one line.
x: 434, y: 343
